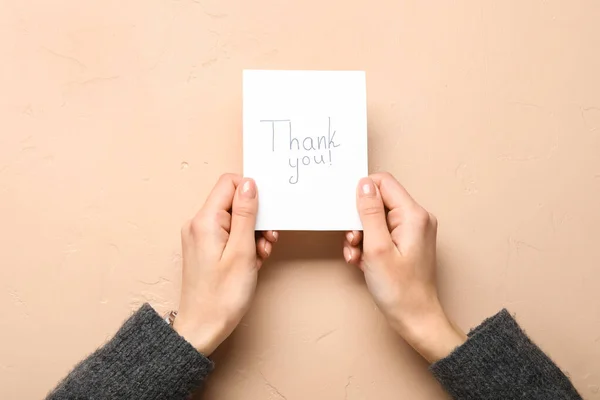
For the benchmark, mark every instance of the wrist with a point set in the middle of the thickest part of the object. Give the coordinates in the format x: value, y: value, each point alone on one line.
x: 204, y: 337
x: 433, y: 335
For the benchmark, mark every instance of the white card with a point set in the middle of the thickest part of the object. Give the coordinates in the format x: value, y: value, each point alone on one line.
x: 305, y: 145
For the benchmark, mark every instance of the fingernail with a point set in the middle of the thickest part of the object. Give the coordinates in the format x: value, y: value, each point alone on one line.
x: 347, y: 254
x: 276, y: 235
x: 249, y: 189
x: 267, y: 250
x: 350, y: 236
x: 367, y: 188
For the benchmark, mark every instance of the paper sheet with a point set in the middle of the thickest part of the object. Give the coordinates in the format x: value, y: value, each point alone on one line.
x: 305, y: 144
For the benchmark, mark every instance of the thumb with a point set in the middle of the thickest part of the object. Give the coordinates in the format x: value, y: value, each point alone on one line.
x: 243, y: 218
x: 377, y: 239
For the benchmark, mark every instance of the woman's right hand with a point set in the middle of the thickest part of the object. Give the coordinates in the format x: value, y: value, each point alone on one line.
x: 397, y: 253
x: 221, y: 258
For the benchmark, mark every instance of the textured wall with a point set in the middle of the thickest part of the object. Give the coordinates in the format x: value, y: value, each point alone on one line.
x: 116, y: 117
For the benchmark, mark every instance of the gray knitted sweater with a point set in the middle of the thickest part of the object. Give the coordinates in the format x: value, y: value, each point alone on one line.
x: 148, y: 360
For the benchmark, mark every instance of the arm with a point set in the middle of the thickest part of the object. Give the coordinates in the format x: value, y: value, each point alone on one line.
x: 398, y: 257
x: 147, y: 358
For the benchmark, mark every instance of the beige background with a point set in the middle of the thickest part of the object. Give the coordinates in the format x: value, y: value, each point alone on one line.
x: 116, y: 117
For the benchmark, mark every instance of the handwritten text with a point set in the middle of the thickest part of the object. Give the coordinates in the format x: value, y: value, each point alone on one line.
x: 306, y: 150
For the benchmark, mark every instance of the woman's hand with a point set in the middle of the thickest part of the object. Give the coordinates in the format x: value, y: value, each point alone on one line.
x: 398, y: 258
x: 221, y: 258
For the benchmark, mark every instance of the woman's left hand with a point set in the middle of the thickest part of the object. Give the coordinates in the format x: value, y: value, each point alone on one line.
x: 221, y: 258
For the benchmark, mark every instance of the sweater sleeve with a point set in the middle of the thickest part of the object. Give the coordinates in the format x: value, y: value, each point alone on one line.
x: 499, y: 361
x: 146, y: 359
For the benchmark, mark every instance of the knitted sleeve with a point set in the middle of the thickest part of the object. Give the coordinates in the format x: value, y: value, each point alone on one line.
x: 499, y: 361
x: 146, y: 359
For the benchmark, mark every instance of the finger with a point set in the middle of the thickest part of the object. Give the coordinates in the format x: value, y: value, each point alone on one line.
x: 221, y: 195
x: 376, y: 236
x: 352, y: 254
x: 394, y: 195
x: 243, y: 219
x: 271, y: 236
x: 263, y: 248
x: 396, y: 198
x: 354, y: 237
x: 209, y: 231
x: 361, y: 265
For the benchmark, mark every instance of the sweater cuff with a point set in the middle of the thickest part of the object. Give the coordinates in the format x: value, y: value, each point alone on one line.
x: 164, y: 358
x: 498, y: 360
x: 146, y: 359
